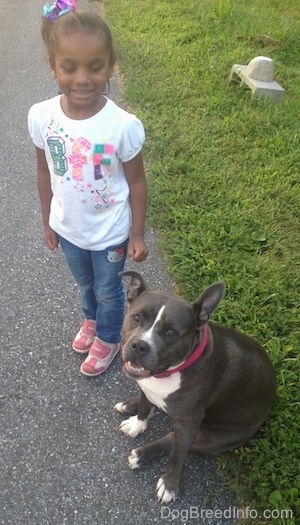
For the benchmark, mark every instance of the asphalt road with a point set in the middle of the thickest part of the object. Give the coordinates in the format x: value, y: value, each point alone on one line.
x: 63, y: 459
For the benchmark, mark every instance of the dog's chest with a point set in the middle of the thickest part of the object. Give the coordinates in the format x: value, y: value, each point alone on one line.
x: 158, y: 389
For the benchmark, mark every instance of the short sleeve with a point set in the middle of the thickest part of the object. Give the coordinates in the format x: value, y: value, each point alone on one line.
x: 131, y: 141
x: 33, y: 127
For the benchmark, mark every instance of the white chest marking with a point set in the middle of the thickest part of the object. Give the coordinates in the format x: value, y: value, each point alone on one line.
x: 157, y: 390
x: 147, y: 336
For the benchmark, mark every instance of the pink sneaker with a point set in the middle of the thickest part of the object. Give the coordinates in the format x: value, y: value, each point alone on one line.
x: 100, y: 356
x: 85, y: 337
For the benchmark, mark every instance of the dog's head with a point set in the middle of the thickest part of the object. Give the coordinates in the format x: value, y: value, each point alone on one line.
x: 161, y: 330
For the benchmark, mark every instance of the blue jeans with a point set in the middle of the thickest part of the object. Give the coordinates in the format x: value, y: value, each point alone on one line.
x: 96, y: 274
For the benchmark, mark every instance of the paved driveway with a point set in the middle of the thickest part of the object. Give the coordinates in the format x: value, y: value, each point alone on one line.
x: 63, y: 460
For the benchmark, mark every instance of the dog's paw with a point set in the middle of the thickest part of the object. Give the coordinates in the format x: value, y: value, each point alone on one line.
x: 120, y: 407
x: 133, y: 426
x: 163, y: 494
x: 129, y: 407
x: 133, y: 459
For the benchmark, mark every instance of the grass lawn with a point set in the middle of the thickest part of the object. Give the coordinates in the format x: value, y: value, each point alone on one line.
x: 224, y: 195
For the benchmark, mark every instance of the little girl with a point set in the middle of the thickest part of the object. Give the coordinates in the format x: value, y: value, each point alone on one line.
x: 90, y: 174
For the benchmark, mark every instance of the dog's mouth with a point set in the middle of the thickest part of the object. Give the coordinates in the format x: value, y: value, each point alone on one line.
x: 135, y: 370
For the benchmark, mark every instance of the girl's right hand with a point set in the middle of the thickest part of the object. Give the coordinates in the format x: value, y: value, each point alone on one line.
x: 51, y: 238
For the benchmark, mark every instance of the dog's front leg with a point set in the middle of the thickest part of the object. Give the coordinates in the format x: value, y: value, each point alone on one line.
x: 168, y: 485
x: 135, y: 425
x: 129, y: 407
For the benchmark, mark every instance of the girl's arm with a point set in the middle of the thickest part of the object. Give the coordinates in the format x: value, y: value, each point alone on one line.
x: 45, y: 194
x: 135, y: 175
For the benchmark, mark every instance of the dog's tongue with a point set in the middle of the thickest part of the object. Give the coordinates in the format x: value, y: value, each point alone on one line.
x: 132, y: 369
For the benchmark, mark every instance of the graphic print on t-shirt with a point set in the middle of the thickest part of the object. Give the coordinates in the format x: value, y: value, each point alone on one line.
x: 71, y: 156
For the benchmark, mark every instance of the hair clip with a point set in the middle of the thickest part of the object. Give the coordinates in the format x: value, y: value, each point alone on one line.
x: 60, y: 7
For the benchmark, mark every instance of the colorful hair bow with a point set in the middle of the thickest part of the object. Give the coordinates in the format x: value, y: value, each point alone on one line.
x: 60, y: 7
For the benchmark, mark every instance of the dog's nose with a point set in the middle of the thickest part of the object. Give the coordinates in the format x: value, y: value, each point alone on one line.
x: 140, y: 346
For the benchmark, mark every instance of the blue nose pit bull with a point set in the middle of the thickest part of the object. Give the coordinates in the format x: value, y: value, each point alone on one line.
x: 217, y: 385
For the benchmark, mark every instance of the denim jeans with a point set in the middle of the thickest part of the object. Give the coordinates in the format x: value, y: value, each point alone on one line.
x: 96, y: 274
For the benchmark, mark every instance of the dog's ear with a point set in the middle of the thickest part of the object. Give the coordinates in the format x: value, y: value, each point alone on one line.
x: 136, y: 286
x: 208, y: 301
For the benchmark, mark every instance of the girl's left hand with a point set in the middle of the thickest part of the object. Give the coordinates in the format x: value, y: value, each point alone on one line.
x: 137, y: 249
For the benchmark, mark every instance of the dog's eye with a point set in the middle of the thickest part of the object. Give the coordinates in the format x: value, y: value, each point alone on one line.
x: 137, y: 318
x: 170, y: 332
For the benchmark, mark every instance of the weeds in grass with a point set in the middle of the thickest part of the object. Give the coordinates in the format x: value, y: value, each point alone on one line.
x: 224, y: 189
x: 221, y: 8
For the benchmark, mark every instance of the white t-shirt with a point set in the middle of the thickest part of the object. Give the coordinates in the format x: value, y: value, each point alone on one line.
x: 90, y: 204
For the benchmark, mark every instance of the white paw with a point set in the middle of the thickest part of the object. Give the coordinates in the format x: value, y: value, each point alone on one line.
x: 133, y: 460
x: 120, y: 407
x: 164, y: 495
x: 133, y: 426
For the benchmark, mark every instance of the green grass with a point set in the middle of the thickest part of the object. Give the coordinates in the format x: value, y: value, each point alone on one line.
x: 223, y: 175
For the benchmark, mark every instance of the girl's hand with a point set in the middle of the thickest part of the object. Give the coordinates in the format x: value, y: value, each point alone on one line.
x: 137, y: 249
x: 51, y: 238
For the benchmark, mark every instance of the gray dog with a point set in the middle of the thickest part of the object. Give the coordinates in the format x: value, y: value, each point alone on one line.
x: 216, y: 384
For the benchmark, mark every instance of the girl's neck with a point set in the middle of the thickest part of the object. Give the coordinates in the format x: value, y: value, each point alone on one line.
x: 81, y: 113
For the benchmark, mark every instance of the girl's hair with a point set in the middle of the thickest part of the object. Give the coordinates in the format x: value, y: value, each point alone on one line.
x: 73, y: 22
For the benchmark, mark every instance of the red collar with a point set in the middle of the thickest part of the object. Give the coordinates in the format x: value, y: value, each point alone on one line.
x: 191, y: 360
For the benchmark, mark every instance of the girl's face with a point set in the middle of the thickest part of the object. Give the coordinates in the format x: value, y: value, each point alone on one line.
x: 82, y: 68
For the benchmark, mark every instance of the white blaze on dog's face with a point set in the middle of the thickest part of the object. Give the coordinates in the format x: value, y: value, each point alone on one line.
x: 148, y: 336
x: 159, y: 332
